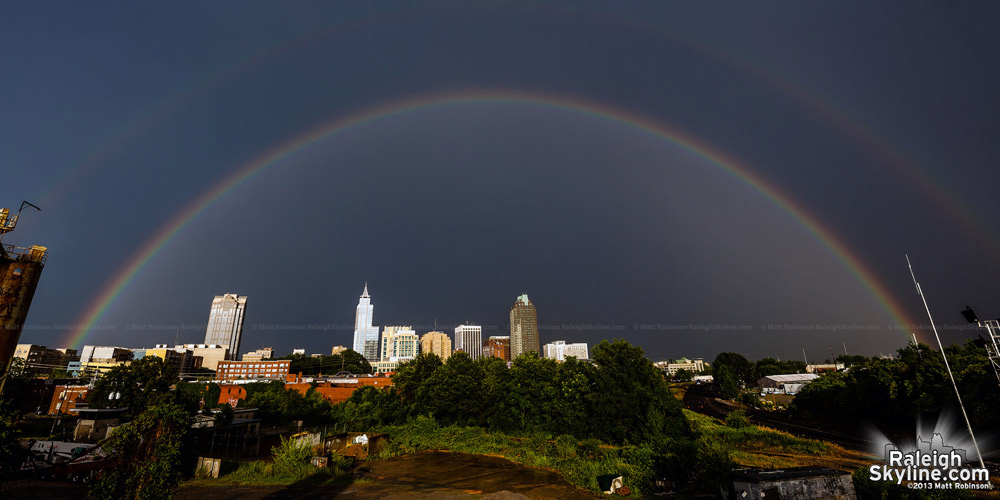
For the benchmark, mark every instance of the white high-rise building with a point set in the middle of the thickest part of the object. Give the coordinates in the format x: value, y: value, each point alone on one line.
x: 469, y: 339
x: 225, y: 323
x: 365, y: 335
x: 399, y: 343
x: 560, y: 350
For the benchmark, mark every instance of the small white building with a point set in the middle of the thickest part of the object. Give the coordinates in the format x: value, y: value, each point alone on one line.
x: 696, y: 365
x: 785, y: 384
x: 560, y: 350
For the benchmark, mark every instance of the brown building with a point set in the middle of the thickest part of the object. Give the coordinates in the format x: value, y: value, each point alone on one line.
x: 523, y: 327
x: 67, y: 397
x: 498, y: 347
x: 244, y: 370
x: 20, y: 269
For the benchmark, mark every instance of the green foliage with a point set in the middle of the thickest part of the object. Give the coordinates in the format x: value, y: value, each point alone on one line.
x: 744, y: 371
x: 852, y: 360
x: 728, y: 383
x: 683, y: 375
x: 11, y: 453
x: 195, y: 396
x: 770, y: 366
x: 621, y: 399
x: 754, y: 438
x: 423, y: 434
x: 146, y: 455
x: 749, y: 399
x: 290, y: 464
x: 453, y: 393
x: 712, y: 466
x: 348, y: 361
x: 18, y: 384
x: 224, y: 416
x: 140, y: 384
x: 867, y: 489
x: 889, y: 391
x: 565, y: 446
x: 412, y: 375
x: 737, y: 419
x: 631, y: 401
x: 369, y: 407
x: 291, y: 457
x: 280, y: 406
x: 590, y: 447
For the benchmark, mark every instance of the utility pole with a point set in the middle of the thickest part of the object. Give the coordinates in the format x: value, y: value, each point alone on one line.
x: 804, y: 356
x: 946, y: 365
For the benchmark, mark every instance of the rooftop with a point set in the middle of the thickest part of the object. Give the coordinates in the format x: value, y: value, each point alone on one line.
x: 792, y: 377
x: 763, y: 475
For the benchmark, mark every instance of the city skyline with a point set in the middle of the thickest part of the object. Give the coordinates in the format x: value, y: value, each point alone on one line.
x: 662, y: 173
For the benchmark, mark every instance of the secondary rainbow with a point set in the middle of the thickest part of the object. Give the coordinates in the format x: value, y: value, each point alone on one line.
x: 276, y: 155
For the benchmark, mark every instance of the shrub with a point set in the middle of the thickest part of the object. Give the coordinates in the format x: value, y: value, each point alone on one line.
x: 590, y: 448
x: 737, y: 419
x: 566, y: 446
x: 292, y: 457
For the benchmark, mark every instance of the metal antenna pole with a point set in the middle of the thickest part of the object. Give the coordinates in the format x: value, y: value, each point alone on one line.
x: 946, y: 365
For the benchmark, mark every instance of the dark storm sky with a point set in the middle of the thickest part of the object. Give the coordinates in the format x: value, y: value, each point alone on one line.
x: 879, y: 121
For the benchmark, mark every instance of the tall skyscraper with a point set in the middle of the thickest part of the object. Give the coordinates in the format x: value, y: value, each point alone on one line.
x: 225, y: 323
x: 469, y: 339
x: 523, y: 327
x: 365, y: 335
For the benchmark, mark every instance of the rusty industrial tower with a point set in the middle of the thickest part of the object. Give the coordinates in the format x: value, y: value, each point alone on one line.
x: 20, y: 269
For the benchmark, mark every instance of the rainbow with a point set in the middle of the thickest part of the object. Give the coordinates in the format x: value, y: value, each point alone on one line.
x: 855, y: 129
x: 277, y: 154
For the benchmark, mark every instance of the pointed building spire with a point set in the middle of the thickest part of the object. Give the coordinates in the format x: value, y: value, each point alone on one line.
x: 365, y: 293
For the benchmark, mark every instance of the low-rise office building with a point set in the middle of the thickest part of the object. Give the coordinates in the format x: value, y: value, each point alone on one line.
x: 252, y: 370
x: 560, y: 350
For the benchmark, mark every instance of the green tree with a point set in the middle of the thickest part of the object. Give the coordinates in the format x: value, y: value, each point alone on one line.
x: 280, y: 406
x: 11, y: 452
x: 453, y: 394
x: 348, y: 361
x: 532, y: 392
x: 499, y: 411
x: 17, y: 387
x: 683, y: 375
x: 737, y: 419
x: 770, y: 366
x: 728, y: 384
x: 224, y: 416
x: 136, y: 386
x: 631, y: 401
x: 146, y: 456
x: 370, y: 407
x: 412, y: 375
x: 742, y: 369
x: 574, y: 385
x: 197, y: 396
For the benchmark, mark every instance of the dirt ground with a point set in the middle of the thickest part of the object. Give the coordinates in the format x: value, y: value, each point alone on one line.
x: 436, y: 475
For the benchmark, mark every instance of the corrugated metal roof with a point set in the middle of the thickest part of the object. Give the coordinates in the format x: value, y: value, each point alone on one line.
x: 794, y: 377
